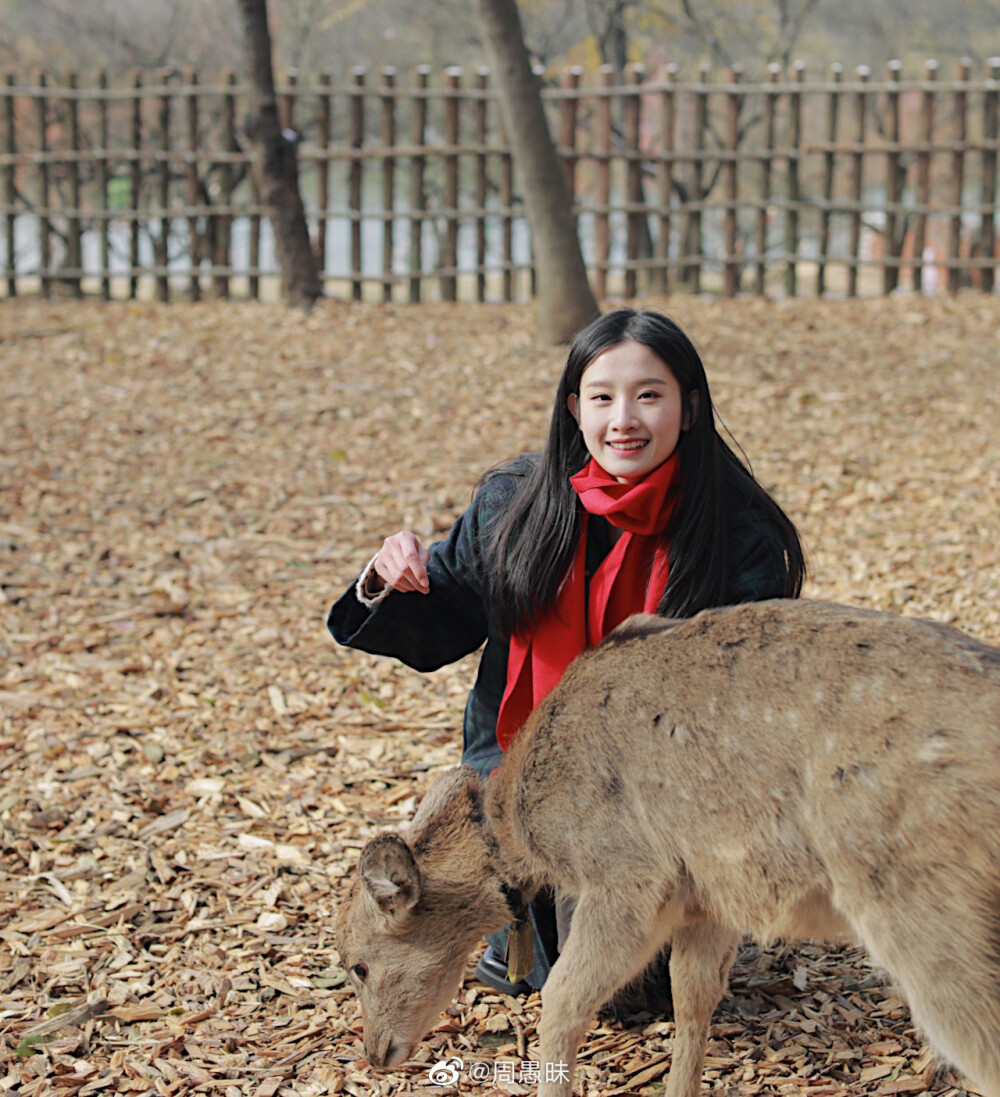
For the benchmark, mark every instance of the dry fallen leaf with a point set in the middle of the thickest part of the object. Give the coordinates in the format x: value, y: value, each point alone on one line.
x: 189, y: 767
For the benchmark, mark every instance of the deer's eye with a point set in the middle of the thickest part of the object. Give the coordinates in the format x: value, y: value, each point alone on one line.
x: 361, y: 971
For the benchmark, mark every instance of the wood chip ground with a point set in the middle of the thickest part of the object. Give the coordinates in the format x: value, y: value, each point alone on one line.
x: 188, y: 766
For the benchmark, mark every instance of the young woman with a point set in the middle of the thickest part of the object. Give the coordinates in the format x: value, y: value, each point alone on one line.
x: 636, y: 503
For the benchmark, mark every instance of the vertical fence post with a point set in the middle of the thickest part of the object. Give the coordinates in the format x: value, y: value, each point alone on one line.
x: 163, y: 195
x: 631, y: 112
x: 286, y: 115
x: 286, y: 102
x: 665, y: 183
x: 507, y: 218
x: 569, y: 82
x: 920, y: 282
x: 286, y: 112
x: 695, y: 258
x: 829, y: 170
x: 10, y: 183
x: 135, y: 188
x: 892, y: 250
x: 103, y: 202
x: 955, y: 272
x: 418, y: 162
x: 482, y: 181
x: 766, y: 172
x: 732, y: 265
x: 449, y: 259
x: 388, y: 177
x: 355, y: 140
x: 74, y: 224
x: 857, y: 180
x: 193, y: 184
x: 602, y: 231
x: 224, y: 221
x: 539, y: 70
x: 568, y: 113
x: 324, y: 125
x: 988, y: 232
x: 793, y: 189
x: 44, y: 190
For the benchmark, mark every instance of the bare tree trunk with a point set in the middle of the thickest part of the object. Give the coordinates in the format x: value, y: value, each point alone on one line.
x: 565, y: 300
x: 276, y: 165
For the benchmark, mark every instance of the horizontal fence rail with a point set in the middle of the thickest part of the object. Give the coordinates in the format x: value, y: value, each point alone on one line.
x: 790, y: 185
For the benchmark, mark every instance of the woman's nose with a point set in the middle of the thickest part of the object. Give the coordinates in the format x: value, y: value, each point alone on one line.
x: 624, y: 415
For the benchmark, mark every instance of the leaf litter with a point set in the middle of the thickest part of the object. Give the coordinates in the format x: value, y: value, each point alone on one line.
x: 189, y: 765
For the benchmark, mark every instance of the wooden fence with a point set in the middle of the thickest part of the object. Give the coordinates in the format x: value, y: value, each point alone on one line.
x: 836, y: 183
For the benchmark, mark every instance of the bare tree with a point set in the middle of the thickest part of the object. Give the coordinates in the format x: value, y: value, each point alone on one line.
x: 723, y: 31
x: 565, y: 300
x: 276, y: 164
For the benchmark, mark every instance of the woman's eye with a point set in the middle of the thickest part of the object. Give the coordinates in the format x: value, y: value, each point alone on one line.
x: 361, y: 971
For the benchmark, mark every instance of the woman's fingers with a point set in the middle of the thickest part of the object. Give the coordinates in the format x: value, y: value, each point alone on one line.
x: 402, y: 563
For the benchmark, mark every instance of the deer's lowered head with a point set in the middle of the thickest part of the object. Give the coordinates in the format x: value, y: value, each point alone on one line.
x: 424, y: 898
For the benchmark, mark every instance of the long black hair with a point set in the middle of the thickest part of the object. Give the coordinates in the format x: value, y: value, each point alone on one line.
x: 528, y: 549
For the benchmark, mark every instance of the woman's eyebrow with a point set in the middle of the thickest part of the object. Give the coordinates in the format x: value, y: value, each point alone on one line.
x: 600, y: 383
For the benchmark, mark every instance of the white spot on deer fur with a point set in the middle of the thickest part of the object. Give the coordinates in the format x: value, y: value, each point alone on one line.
x: 933, y: 750
x: 681, y: 733
x: 868, y: 689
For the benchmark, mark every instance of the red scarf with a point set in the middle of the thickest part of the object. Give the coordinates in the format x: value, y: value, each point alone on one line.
x: 637, y: 563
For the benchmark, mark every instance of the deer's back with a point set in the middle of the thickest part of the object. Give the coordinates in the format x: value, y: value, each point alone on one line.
x: 786, y: 741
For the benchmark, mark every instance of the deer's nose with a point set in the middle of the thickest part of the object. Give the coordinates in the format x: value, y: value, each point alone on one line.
x: 396, y: 1052
x: 374, y: 1052
x: 385, y: 1051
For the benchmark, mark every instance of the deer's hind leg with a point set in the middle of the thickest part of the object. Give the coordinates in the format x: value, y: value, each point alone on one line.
x: 609, y: 943
x: 701, y: 955
x: 949, y: 970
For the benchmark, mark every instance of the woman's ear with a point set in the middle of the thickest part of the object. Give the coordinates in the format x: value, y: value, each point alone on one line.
x: 691, y: 408
x: 573, y: 403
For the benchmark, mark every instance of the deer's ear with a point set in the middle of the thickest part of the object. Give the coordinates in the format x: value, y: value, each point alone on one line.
x: 390, y: 874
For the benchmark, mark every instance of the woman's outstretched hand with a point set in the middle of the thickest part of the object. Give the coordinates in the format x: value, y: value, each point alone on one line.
x: 402, y: 563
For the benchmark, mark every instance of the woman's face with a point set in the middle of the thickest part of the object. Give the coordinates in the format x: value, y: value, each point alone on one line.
x: 630, y: 410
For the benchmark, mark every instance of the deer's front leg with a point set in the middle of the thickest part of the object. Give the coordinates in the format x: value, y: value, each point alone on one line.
x: 607, y: 945
x: 700, y: 958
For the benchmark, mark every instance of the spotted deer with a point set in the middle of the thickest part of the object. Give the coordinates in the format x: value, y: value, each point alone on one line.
x: 780, y: 769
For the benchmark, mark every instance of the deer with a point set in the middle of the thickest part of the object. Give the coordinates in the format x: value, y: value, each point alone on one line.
x: 783, y: 770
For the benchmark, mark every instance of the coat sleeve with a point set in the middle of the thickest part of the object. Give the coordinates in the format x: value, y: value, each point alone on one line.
x: 428, y: 631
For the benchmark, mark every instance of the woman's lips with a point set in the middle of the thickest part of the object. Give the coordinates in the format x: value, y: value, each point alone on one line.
x: 630, y: 446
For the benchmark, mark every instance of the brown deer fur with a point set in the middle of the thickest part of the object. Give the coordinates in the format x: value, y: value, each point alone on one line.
x: 784, y: 769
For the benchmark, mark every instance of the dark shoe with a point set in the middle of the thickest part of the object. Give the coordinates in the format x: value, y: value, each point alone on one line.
x: 647, y: 993
x: 492, y: 972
